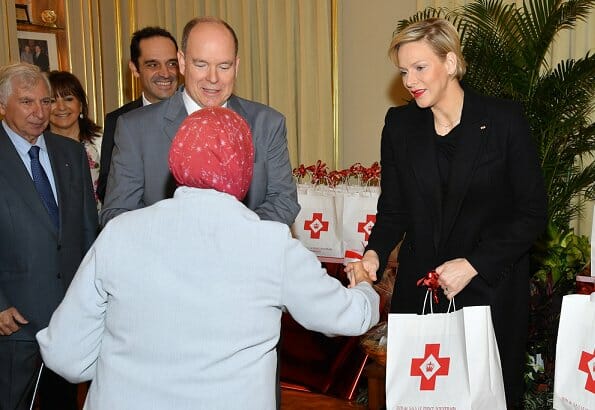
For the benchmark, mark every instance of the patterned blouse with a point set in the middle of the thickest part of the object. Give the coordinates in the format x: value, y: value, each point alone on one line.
x: 93, y: 149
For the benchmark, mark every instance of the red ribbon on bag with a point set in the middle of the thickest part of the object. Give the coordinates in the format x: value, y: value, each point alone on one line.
x: 334, y: 178
x: 352, y: 256
x: 318, y: 171
x: 431, y: 282
x: 372, y: 174
x: 300, y: 172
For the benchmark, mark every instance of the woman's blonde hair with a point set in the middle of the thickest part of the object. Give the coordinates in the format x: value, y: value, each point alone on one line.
x: 439, y: 33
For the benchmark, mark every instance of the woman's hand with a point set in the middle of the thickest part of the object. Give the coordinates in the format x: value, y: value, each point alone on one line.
x: 454, y: 275
x: 365, y: 268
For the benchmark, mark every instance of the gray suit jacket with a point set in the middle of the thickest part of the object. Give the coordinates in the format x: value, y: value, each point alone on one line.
x: 139, y: 175
x: 37, y: 263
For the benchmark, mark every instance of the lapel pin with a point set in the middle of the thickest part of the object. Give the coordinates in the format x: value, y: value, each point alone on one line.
x: 483, y: 127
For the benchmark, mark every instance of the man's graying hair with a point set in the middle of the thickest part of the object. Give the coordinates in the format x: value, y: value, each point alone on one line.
x: 28, y: 74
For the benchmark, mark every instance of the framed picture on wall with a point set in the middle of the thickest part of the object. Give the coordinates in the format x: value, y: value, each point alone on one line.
x: 22, y: 13
x: 38, y: 48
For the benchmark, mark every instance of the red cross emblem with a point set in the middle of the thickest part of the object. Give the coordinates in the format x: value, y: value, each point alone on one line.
x: 430, y: 366
x: 316, y: 225
x: 587, y: 365
x: 366, y: 226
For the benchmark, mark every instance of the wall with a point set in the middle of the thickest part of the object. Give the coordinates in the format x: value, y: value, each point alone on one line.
x: 368, y: 85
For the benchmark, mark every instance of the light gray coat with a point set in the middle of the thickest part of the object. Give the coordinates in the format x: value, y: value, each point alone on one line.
x: 178, y: 309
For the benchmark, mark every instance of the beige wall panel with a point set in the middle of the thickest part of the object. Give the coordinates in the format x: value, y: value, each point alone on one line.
x: 112, y: 64
x: 368, y: 83
x: 83, y: 26
x: 8, y: 46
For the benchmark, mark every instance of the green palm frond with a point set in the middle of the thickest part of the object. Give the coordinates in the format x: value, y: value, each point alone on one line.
x: 541, y: 20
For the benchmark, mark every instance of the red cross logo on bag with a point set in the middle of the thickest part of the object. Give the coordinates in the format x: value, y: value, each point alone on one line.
x: 366, y: 226
x: 430, y: 366
x: 316, y: 225
x: 587, y: 365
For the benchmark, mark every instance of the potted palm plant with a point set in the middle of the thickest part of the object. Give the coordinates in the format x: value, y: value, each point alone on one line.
x: 506, y: 47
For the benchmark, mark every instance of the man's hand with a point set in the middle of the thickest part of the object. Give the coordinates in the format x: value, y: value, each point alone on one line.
x: 455, y: 275
x: 11, y: 321
x: 364, y: 270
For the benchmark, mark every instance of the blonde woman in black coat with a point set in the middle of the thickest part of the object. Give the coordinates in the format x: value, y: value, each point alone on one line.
x: 461, y: 183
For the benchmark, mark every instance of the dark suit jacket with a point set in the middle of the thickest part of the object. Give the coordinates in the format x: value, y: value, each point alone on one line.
x: 494, y: 211
x: 42, y: 61
x: 140, y: 176
x: 37, y: 263
x: 107, y: 143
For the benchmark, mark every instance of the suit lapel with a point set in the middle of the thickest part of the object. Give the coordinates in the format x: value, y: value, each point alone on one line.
x: 175, y: 112
x: 62, y: 169
x: 473, y: 136
x: 16, y: 176
x: 422, y: 153
x: 234, y: 104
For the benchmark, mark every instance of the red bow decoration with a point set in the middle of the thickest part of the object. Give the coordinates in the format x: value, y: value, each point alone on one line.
x: 319, y: 171
x: 334, y: 178
x: 431, y: 282
x: 372, y: 174
x: 300, y: 171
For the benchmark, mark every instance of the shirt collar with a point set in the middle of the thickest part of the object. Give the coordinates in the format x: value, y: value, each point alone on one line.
x: 145, y: 100
x: 21, y: 144
x: 191, y: 105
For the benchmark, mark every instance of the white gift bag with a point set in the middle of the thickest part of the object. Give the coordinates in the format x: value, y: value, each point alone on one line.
x: 317, y: 225
x: 444, y: 360
x: 574, y: 379
x: 359, y: 217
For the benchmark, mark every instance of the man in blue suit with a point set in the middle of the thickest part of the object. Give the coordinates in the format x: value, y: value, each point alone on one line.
x: 48, y: 220
x: 208, y: 59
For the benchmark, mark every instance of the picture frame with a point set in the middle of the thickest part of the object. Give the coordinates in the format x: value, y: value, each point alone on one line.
x: 39, y: 48
x: 22, y: 13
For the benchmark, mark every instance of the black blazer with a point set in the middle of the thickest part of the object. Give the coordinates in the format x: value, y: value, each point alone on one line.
x: 494, y: 211
x: 107, y: 143
x: 37, y: 263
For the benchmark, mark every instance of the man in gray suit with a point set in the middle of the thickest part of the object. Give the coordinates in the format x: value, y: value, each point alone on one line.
x: 154, y: 62
x: 48, y: 220
x: 208, y: 59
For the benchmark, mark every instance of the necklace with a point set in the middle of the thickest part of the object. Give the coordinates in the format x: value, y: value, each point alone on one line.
x: 446, y: 128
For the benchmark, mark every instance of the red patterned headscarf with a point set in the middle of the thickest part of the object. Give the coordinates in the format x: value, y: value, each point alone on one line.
x: 213, y: 149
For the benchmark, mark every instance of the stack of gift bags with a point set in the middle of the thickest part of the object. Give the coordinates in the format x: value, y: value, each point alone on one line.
x: 338, y: 209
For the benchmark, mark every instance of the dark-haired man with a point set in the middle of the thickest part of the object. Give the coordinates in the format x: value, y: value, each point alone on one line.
x: 154, y: 62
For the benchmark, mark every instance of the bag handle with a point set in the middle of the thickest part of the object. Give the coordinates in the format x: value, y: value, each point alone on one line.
x: 430, y: 280
x: 451, y: 305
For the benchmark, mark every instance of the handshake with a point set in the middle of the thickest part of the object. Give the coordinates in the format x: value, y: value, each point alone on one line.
x: 363, y: 270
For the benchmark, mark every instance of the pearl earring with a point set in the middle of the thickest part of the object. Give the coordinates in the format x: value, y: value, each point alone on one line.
x: 81, y: 116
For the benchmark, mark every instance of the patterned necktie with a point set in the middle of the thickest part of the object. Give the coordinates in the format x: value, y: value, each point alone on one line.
x: 42, y: 184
